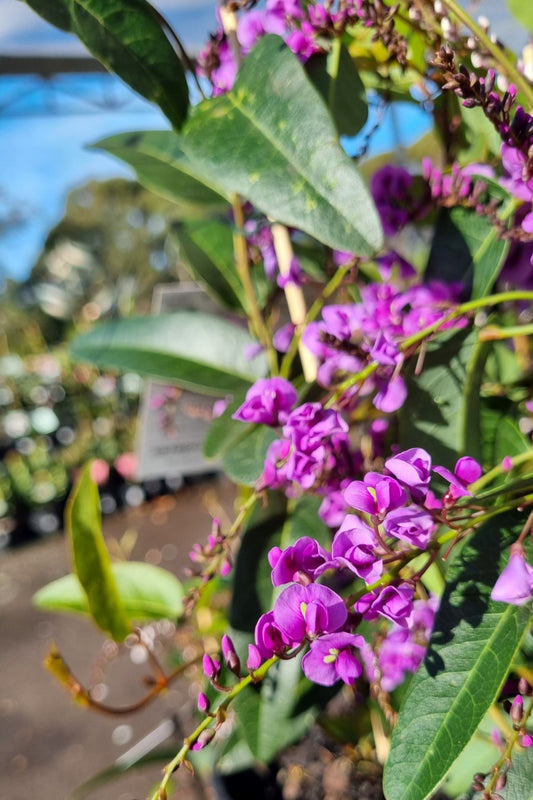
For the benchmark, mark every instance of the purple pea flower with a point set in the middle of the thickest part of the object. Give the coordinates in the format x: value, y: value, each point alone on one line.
x: 312, y: 610
x: 269, y: 637
x: 515, y: 584
x: 467, y: 471
x: 391, y: 190
x: 300, y: 562
x: 331, y: 657
x: 391, y: 393
x: 412, y: 468
x: 268, y: 402
x: 354, y: 546
x: 411, y: 525
x: 376, y: 494
x: 393, y: 602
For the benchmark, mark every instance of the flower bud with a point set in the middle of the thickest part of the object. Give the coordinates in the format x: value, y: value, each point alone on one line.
x: 203, y: 739
x: 526, y: 740
x: 230, y: 655
x: 204, y: 704
x: 211, y: 667
x: 254, y: 659
x: 517, y: 710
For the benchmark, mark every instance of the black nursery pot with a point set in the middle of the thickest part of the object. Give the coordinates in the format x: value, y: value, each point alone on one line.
x: 248, y: 784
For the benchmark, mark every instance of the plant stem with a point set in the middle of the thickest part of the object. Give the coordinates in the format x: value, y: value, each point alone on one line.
x: 243, y: 269
x: 496, y: 52
x: 254, y: 677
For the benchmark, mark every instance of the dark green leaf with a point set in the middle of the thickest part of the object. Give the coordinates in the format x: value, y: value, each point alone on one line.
x: 56, y: 12
x: 523, y: 12
x: 146, y: 592
x: 197, y: 351
x: 466, y: 248
x: 473, y: 644
x: 442, y: 414
x: 245, y: 461
x: 250, y: 141
x: 253, y: 591
x: 128, y: 39
x: 207, y: 248
x: 344, y: 94
x: 162, y: 166
x: 500, y: 433
x: 91, y: 559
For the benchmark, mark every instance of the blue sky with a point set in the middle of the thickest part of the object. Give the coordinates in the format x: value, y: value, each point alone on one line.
x: 43, y: 155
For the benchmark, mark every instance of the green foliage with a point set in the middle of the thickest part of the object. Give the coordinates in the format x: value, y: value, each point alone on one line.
x: 522, y: 12
x: 161, y: 165
x: 245, y: 461
x: 442, y: 415
x: 308, y: 182
x: 146, y: 592
x: 194, y: 350
x: 128, y: 39
x: 336, y: 78
x: 472, y: 647
x: 91, y: 562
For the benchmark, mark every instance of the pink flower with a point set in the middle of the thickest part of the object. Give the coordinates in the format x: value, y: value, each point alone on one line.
x: 515, y: 584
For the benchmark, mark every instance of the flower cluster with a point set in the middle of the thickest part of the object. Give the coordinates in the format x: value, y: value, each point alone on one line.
x: 398, y: 516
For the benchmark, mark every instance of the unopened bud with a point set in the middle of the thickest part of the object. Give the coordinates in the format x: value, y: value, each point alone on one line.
x: 225, y: 567
x: 517, y: 710
x: 523, y: 686
x: 230, y: 655
x: 254, y: 659
x: 526, y: 740
x: 203, y: 739
x: 501, y: 781
x: 211, y: 667
x: 204, y: 703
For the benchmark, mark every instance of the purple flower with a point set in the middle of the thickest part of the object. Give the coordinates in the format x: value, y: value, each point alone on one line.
x: 354, y: 546
x: 283, y: 337
x: 269, y: 637
x: 467, y: 471
x: 267, y: 402
x: 393, y: 259
x: 254, y: 659
x: 331, y: 657
x: 412, y: 468
x: 393, y: 602
x: 391, y: 190
x: 300, y: 562
x: 312, y: 610
x: 375, y: 494
x: 515, y: 584
x: 391, y: 394
x: 411, y: 525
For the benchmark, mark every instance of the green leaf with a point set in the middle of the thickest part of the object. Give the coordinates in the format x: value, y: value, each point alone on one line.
x: 466, y: 248
x: 473, y: 644
x: 162, y: 166
x: 56, y: 12
x: 194, y: 350
x: 500, y: 432
x: 341, y: 89
x: 443, y: 412
x: 519, y: 784
x: 91, y: 562
x: 207, y: 249
x: 129, y: 40
x: 146, y: 592
x: 249, y: 141
x: 523, y: 12
x: 245, y: 461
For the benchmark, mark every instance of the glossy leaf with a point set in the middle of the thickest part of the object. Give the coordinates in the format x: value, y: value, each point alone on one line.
x: 466, y: 248
x: 207, y: 249
x: 194, y: 350
x: 56, y: 12
x: 146, y: 592
x: 162, y: 166
x: 91, y: 561
x: 128, y: 39
x: 443, y: 412
x: 341, y: 88
x: 245, y: 461
x: 473, y: 644
x: 306, y: 181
